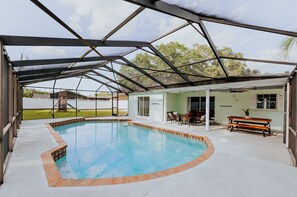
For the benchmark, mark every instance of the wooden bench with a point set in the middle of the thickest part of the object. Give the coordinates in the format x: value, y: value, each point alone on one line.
x: 260, y: 124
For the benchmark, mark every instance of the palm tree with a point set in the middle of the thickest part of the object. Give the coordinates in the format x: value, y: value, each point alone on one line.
x: 287, y: 45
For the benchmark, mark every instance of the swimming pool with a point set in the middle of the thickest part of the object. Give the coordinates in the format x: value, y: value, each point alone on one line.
x: 117, y: 149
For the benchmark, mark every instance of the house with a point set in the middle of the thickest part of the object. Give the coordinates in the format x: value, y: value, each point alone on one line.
x: 264, y: 98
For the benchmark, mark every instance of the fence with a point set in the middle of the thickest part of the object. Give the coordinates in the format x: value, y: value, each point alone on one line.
x: 46, y: 103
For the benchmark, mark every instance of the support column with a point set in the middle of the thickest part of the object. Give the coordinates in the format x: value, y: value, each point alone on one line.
x: 1, y: 112
x: 128, y: 106
x: 164, y: 107
x: 76, y: 95
x: 20, y: 102
x: 76, y: 103
x: 207, y: 110
x: 112, y: 104
x: 16, y: 96
x: 96, y: 104
x: 287, y: 114
x: 11, y: 107
x: 54, y: 98
x: 118, y: 104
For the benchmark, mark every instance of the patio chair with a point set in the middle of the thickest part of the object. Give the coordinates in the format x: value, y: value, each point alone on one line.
x: 202, y: 119
x: 176, y: 117
x: 195, y: 117
x: 170, y: 117
x: 185, y: 119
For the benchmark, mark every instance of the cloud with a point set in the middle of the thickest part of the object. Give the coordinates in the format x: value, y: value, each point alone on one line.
x: 74, y: 22
x: 97, y: 17
x: 48, y: 51
x: 188, y: 36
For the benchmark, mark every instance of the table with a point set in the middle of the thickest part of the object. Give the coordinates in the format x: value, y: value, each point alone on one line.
x: 251, y: 123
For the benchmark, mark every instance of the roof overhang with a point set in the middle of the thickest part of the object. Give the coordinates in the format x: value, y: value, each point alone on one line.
x: 255, y: 84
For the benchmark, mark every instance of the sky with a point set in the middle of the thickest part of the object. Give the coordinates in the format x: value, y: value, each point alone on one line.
x: 94, y: 19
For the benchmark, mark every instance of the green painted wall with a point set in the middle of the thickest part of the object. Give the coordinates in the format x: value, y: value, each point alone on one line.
x: 238, y: 101
x: 172, y: 102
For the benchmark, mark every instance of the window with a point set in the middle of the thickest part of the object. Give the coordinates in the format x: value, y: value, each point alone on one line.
x: 143, y: 106
x: 266, y: 101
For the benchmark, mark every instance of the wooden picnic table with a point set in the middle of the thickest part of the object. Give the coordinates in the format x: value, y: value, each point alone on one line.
x: 251, y: 123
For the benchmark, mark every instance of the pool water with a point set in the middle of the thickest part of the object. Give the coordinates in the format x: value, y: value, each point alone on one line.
x: 116, y: 149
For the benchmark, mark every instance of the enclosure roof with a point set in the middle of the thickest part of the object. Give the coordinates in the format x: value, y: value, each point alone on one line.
x: 74, y: 44
x: 232, y: 87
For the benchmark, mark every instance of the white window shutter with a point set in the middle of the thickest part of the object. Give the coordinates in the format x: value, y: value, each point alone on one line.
x: 254, y: 101
x: 280, y: 102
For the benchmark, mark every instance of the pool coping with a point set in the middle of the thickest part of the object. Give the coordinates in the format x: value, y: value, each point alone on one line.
x: 55, y: 179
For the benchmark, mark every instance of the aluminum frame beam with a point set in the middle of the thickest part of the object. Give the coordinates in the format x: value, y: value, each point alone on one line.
x: 48, y: 70
x: 192, y: 16
x: 160, y: 55
x: 175, y: 11
x: 107, y: 85
x: 260, y: 60
x: 1, y: 112
x: 51, y: 76
x: 57, y: 70
x: 134, y: 14
x: 184, y: 65
x: 171, y: 32
x: 57, y: 19
x: 27, y: 82
x: 122, y: 24
x: 125, y: 77
x: 213, y: 47
x: 246, y: 26
x: 62, y: 61
x: 166, y: 8
x: 42, y: 75
x: 62, y: 89
x: 142, y: 71
x: 120, y: 84
x: 47, y: 41
x: 172, y: 72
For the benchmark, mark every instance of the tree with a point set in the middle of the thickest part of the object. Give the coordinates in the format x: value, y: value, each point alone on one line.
x: 286, y: 46
x: 103, y: 94
x: 178, y: 54
x: 27, y: 92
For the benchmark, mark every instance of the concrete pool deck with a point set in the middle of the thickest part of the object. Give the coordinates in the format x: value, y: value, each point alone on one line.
x: 243, y: 164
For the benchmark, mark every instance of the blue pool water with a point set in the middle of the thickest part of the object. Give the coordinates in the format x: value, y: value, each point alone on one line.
x: 115, y: 149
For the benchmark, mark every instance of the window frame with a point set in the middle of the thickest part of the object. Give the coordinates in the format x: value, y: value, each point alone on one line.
x: 142, y: 109
x: 201, y: 100
x: 265, y: 102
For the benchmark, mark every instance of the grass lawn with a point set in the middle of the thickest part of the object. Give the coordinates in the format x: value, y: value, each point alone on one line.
x: 45, y: 113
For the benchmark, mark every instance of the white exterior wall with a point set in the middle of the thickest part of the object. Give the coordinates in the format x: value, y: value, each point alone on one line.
x: 156, y: 106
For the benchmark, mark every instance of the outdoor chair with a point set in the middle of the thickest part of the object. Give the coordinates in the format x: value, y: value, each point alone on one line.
x: 175, y: 116
x: 170, y: 117
x: 195, y: 117
x: 202, y: 119
x: 185, y: 119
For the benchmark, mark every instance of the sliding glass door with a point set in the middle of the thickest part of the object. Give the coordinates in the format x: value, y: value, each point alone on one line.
x: 197, y: 104
x: 144, y: 106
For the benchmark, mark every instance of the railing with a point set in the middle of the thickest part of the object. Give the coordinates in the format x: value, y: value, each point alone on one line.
x: 292, y: 131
